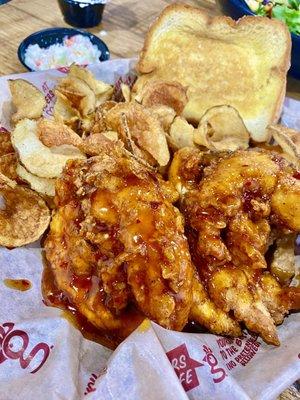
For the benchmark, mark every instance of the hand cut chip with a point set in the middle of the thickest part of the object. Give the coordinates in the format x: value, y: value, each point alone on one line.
x: 53, y: 133
x: 79, y: 94
x: 222, y: 128
x: 289, y: 140
x: 125, y: 89
x: 37, y: 158
x: 145, y: 129
x: 181, y: 134
x: 8, y: 165
x: 165, y: 114
x: 167, y: 93
x: 283, y: 262
x: 24, y: 215
x: 44, y: 186
x: 27, y: 99
x: 102, y: 90
x: 6, y: 146
x: 64, y: 112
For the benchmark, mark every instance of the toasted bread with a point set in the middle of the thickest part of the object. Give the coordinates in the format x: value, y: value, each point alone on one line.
x: 221, y: 61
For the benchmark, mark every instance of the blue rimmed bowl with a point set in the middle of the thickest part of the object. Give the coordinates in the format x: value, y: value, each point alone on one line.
x: 238, y: 8
x: 48, y: 37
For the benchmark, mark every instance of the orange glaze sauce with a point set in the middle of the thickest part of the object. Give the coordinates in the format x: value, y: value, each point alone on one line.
x: 54, y: 297
x: 18, y: 284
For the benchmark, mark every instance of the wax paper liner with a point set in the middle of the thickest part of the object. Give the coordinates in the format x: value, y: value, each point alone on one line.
x: 42, y: 356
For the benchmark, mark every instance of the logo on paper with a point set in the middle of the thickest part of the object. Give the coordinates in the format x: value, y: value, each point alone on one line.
x: 14, y: 343
x: 184, y: 367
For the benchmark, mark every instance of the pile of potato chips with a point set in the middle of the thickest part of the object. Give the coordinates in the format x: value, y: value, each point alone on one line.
x: 89, y: 114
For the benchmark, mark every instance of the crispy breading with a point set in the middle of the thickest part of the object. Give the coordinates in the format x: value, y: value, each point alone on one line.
x: 116, y: 241
x: 234, y: 205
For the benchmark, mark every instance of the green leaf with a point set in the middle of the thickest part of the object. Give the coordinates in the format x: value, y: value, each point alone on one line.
x: 288, y: 15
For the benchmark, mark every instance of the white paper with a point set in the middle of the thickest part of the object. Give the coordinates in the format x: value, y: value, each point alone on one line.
x: 42, y: 356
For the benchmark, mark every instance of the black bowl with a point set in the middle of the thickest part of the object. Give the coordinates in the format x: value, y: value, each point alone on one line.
x: 82, y: 15
x: 47, y: 37
x: 238, y: 8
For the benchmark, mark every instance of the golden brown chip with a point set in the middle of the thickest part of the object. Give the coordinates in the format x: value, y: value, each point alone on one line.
x: 126, y: 92
x: 100, y: 115
x: 289, y: 140
x: 283, y: 263
x: 102, y: 90
x: 165, y: 114
x: 54, y: 133
x: 24, y: 215
x: 44, y: 186
x: 145, y: 129
x: 86, y: 124
x: 93, y: 144
x: 37, y: 158
x: 171, y: 94
x: 80, y: 96
x: 181, y: 134
x: 222, y: 128
x: 63, y: 111
x: 6, y: 146
x: 27, y: 99
x: 8, y: 165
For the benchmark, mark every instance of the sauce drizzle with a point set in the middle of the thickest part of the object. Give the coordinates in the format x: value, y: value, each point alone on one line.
x: 18, y: 284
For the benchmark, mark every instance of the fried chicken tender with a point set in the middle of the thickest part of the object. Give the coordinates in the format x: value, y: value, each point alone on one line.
x: 244, y: 192
x: 233, y: 203
x: 205, y: 312
x: 116, y: 244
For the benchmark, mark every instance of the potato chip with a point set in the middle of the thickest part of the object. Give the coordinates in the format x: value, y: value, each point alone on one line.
x: 145, y: 129
x: 100, y: 115
x: 6, y: 146
x: 27, y: 99
x: 283, y: 263
x: 171, y: 94
x: 181, y: 134
x: 289, y: 140
x: 165, y: 114
x: 222, y: 128
x: 126, y: 92
x: 37, y: 158
x: 86, y: 124
x: 80, y: 96
x: 93, y: 144
x: 54, y: 133
x: 102, y: 90
x: 24, y: 215
x: 44, y: 186
x: 63, y: 111
x: 8, y: 165
x: 139, y: 154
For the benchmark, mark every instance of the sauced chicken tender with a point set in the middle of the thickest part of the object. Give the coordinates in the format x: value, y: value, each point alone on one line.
x: 116, y: 241
x: 233, y: 203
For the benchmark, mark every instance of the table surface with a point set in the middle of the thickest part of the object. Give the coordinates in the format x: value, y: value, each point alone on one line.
x: 123, y: 28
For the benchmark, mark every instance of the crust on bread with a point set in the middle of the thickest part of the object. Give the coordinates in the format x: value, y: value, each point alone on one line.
x: 186, y: 45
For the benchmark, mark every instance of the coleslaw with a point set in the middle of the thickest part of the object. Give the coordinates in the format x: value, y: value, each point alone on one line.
x: 76, y: 49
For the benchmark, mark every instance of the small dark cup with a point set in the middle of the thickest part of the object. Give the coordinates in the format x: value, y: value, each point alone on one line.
x: 81, y: 15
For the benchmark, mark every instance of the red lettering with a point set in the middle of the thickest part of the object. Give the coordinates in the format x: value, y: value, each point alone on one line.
x: 10, y: 351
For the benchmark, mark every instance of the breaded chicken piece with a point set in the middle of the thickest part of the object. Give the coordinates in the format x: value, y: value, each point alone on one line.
x: 234, y: 205
x: 206, y: 313
x: 116, y: 243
